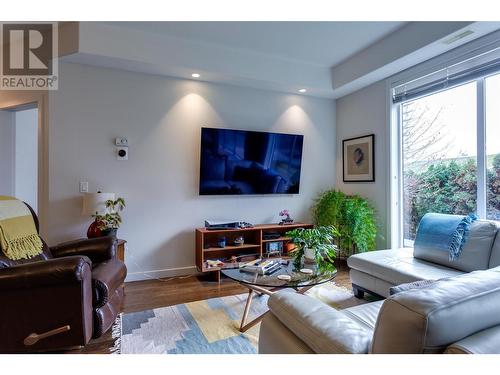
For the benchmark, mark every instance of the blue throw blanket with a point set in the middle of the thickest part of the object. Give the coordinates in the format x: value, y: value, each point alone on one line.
x: 444, y: 232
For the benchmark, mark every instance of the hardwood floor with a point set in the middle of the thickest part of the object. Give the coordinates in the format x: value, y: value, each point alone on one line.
x: 151, y: 294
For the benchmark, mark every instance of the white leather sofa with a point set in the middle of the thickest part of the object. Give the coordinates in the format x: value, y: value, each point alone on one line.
x: 460, y: 314
x: 377, y: 271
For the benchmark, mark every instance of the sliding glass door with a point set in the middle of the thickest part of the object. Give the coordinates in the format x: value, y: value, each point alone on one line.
x: 450, y: 153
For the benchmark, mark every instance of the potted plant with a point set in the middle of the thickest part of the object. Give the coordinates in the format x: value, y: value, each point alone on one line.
x: 315, y: 245
x: 111, y: 220
x: 352, y: 215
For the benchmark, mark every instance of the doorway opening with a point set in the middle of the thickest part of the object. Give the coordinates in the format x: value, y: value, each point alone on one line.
x: 19, y: 153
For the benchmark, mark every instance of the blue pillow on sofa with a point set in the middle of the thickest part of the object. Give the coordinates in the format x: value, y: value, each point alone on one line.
x: 432, y: 242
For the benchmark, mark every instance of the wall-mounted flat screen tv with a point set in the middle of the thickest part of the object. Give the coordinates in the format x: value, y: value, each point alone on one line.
x: 249, y: 162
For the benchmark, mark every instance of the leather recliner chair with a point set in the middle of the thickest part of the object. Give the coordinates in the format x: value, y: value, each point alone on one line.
x: 72, y: 292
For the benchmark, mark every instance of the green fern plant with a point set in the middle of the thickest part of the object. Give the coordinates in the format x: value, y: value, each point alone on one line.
x: 353, y: 216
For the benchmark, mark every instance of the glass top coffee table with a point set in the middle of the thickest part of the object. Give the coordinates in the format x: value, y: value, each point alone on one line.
x: 301, y: 282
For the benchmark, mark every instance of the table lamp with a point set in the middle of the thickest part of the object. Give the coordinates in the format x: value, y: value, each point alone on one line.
x: 95, y: 204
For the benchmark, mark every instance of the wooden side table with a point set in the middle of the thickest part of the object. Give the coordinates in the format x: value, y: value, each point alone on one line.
x: 120, y: 250
x: 120, y: 254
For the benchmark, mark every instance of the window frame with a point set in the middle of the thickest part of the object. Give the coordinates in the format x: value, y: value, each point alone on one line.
x: 397, y: 214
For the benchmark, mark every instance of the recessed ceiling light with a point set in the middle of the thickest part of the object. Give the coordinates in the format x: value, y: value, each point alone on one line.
x: 302, y: 90
x: 195, y: 75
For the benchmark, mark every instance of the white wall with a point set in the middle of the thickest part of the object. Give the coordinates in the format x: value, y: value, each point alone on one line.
x: 162, y: 117
x: 26, y: 156
x: 6, y: 153
x: 360, y: 113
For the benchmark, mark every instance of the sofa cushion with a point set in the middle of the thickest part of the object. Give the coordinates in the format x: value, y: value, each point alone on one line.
x: 398, y: 266
x: 475, y: 254
x: 428, y: 320
x: 324, y: 329
x: 365, y: 314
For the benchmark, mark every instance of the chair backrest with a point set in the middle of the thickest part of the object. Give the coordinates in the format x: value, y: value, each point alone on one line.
x: 6, y: 262
x: 429, y: 319
x: 475, y: 254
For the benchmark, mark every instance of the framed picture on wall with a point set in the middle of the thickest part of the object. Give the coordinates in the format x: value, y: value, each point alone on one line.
x: 358, y: 159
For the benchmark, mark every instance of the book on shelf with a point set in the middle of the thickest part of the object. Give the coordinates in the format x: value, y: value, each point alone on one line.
x: 261, y: 266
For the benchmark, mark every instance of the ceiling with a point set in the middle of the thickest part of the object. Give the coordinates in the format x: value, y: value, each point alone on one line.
x: 320, y: 43
x: 322, y: 59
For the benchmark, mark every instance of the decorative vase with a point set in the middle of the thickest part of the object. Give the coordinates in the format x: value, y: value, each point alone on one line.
x: 289, y: 247
x: 309, y: 255
x: 94, y: 231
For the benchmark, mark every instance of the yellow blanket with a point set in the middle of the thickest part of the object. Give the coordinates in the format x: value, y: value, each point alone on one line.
x: 18, y: 236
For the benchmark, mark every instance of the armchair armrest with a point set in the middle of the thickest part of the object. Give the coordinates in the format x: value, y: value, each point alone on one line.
x: 45, y: 273
x: 324, y: 329
x: 106, y: 278
x: 97, y: 249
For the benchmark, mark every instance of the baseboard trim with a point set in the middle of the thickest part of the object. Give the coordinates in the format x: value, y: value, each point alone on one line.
x: 168, y: 272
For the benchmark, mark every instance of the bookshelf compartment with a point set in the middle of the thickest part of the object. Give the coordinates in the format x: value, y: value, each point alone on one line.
x: 230, y: 248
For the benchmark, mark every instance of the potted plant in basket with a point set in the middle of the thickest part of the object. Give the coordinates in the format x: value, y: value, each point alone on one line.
x: 315, y: 245
x: 111, y: 220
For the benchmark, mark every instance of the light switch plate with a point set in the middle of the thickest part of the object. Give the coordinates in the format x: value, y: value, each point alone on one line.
x: 84, y: 187
x: 121, y: 141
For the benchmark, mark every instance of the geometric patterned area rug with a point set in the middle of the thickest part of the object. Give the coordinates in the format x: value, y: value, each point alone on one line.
x: 209, y: 326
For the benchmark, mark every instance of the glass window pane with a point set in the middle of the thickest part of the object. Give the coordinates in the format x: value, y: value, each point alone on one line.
x: 492, y: 116
x: 439, y: 156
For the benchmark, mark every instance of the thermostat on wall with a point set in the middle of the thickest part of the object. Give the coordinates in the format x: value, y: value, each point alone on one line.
x: 121, y: 148
x: 122, y: 153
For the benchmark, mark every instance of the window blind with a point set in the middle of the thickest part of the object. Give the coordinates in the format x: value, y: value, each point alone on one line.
x: 459, y: 73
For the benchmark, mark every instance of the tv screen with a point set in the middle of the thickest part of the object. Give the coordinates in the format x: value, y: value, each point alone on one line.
x: 249, y: 162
